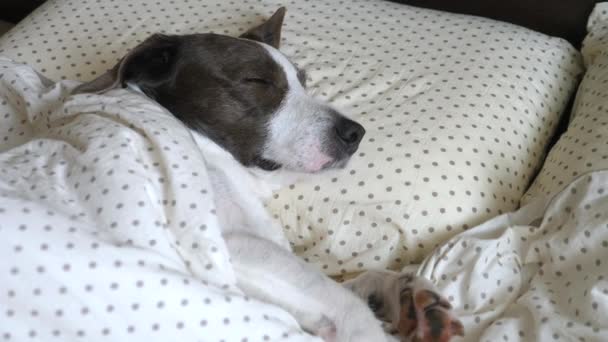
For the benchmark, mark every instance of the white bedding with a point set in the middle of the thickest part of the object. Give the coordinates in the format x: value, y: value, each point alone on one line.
x: 106, y: 223
x: 584, y: 146
x: 538, y: 274
x: 107, y: 232
x: 458, y: 109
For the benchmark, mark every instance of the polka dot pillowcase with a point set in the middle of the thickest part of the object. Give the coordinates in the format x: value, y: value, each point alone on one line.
x: 584, y: 146
x: 458, y: 109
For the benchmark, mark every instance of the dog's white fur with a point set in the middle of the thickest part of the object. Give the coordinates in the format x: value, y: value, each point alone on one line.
x: 264, y: 264
x: 261, y: 255
x: 299, y: 127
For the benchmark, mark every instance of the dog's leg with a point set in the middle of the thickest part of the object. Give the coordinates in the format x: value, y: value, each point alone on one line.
x: 410, y: 304
x: 273, y: 274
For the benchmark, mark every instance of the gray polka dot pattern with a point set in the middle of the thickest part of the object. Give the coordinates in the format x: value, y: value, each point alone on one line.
x: 538, y: 274
x: 107, y: 225
x: 101, y: 239
x: 458, y: 109
x: 584, y: 146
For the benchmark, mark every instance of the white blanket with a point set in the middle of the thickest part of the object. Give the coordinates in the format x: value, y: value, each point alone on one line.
x: 107, y: 232
x: 107, y: 227
x: 539, y: 274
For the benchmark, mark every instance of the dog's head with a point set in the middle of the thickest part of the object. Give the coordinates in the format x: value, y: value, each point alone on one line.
x: 242, y: 93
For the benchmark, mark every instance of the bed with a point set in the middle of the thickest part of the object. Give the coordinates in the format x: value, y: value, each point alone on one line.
x: 106, y: 212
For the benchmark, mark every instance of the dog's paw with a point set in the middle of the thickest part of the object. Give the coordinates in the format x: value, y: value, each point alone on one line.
x: 425, y: 316
x: 409, y: 306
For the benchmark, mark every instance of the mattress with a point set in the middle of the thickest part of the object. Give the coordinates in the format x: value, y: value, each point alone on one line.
x: 107, y: 226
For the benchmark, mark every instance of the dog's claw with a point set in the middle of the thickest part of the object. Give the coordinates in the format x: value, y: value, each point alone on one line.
x: 425, y: 317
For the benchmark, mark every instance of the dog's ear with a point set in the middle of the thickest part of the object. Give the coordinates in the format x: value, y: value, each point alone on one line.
x: 149, y: 64
x: 270, y: 31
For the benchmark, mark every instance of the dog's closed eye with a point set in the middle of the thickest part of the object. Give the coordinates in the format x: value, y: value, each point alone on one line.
x: 258, y: 80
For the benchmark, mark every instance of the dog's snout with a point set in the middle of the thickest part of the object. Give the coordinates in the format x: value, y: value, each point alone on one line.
x: 350, y: 133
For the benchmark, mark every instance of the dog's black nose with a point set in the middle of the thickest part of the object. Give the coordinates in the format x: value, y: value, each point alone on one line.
x: 350, y: 133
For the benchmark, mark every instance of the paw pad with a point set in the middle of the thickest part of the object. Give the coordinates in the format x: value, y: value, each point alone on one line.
x: 425, y: 317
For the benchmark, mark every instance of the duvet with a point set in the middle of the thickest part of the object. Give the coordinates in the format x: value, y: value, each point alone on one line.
x: 107, y: 224
x: 108, y: 232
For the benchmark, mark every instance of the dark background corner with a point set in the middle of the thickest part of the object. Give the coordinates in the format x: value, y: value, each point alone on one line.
x: 15, y: 10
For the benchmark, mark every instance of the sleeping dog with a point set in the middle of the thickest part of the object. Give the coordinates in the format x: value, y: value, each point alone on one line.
x: 248, y: 110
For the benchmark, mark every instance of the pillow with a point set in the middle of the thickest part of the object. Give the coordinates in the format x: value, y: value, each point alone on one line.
x: 584, y: 146
x: 458, y: 109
